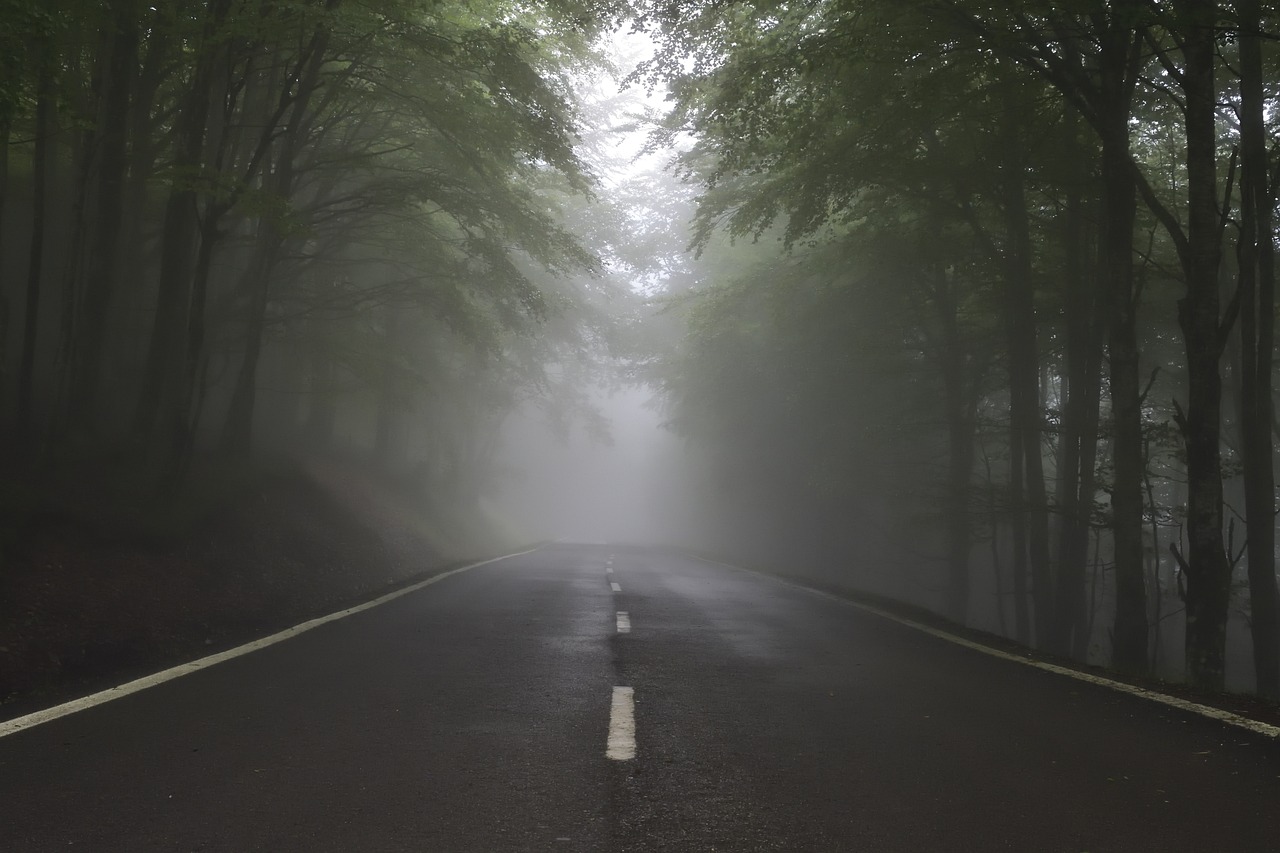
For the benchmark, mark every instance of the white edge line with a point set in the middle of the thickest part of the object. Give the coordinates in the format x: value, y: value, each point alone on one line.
x: 1228, y: 717
x: 28, y: 721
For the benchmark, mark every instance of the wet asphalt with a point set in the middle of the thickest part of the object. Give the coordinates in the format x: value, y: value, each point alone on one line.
x: 472, y: 715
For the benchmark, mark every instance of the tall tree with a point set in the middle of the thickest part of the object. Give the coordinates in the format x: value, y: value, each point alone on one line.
x: 1256, y: 257
x: 46, y: 61
x: 1094, y: 57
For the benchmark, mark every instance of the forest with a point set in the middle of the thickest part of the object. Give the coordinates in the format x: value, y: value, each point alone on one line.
x: 971, y: 305
x: 1017, y: 333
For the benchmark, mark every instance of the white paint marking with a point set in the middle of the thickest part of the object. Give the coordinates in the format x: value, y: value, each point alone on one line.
x: 624, y: 622
x: 1228, y: 717
x: 622, y: 725
x: 18, y: 724
x: 608, y: 570
x: 614, y: 586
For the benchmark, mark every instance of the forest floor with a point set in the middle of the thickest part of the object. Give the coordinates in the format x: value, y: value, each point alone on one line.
x: 99, y: 586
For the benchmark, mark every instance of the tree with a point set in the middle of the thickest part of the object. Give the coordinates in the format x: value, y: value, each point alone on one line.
x: 1256, y: 277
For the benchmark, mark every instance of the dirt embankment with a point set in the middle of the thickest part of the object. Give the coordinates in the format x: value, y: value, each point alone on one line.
x: 83, y: 605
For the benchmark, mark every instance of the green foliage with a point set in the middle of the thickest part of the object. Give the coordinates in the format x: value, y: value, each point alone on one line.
x: 358, y: 162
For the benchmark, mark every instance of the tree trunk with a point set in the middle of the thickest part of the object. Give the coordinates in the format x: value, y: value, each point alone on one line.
x: 166, y: 369
x: 35, y: 263
x: 143, y: 150
x: 1257, y: 318
x: 83, y: 161
x: 237, y: 430
x: 1079, y: 438
x: 100, y: 286
x: 1024, y: 393
x: 1208, y: 569
x: 166, y: 353
x: 179, y: 413
x: 1129, y: 635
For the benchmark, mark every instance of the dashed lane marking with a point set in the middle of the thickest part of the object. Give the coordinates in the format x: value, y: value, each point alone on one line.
x: 621, y: 745
x: 624, y: 622
x: 18, y: 724
x: 614, y: 586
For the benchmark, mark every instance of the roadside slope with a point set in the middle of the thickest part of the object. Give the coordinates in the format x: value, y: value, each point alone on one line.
x: 84, y: 604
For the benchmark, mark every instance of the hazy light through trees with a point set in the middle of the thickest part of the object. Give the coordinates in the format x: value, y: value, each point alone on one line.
x: 623, y: 476
x: 979, y: 311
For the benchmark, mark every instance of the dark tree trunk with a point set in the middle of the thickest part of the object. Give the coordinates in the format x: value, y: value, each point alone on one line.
x: 1079, y: 438
x: 1257, y: 318
x: 1027, y: 464
x: 166, y: 370
x: 167, y: 354
x: 83, y: 160
x: 1208, y: 569
x: 143, y: 150
x: 100, y: 284
x: 237, y: 430
x: 35, y: 263
x: 180, y: 413
x: 1129, y: 635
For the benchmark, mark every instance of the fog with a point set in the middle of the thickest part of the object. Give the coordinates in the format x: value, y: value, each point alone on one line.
x: 769, y: 286
x: 627, y: 485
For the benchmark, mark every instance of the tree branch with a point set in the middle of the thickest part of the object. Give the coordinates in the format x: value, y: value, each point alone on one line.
x: 1183, y: 570
x: 1142, y: 398
x: 1162, y: 213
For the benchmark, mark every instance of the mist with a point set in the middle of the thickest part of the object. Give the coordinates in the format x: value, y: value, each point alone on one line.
x: 476, y: 425
x: 856, y: 324
x: 623, y: 484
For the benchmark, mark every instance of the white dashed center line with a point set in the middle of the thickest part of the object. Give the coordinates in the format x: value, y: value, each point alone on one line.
x: 624, y: 622
x: 614, y: 586
x: 622, y: 725
x: 608, y: 570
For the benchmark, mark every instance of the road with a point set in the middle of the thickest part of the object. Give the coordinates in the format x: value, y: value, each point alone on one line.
x: 475, y: 715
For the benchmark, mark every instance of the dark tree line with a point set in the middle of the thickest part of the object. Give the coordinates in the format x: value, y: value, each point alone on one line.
x: 1020, y: 331
x: 1031, y: 205
x: 300, y: 222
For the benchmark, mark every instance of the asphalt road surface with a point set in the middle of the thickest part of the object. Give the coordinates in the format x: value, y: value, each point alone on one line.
x: 480, y: 713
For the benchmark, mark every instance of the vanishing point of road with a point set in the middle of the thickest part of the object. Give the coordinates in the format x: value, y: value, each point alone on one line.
x: 598, y: 698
